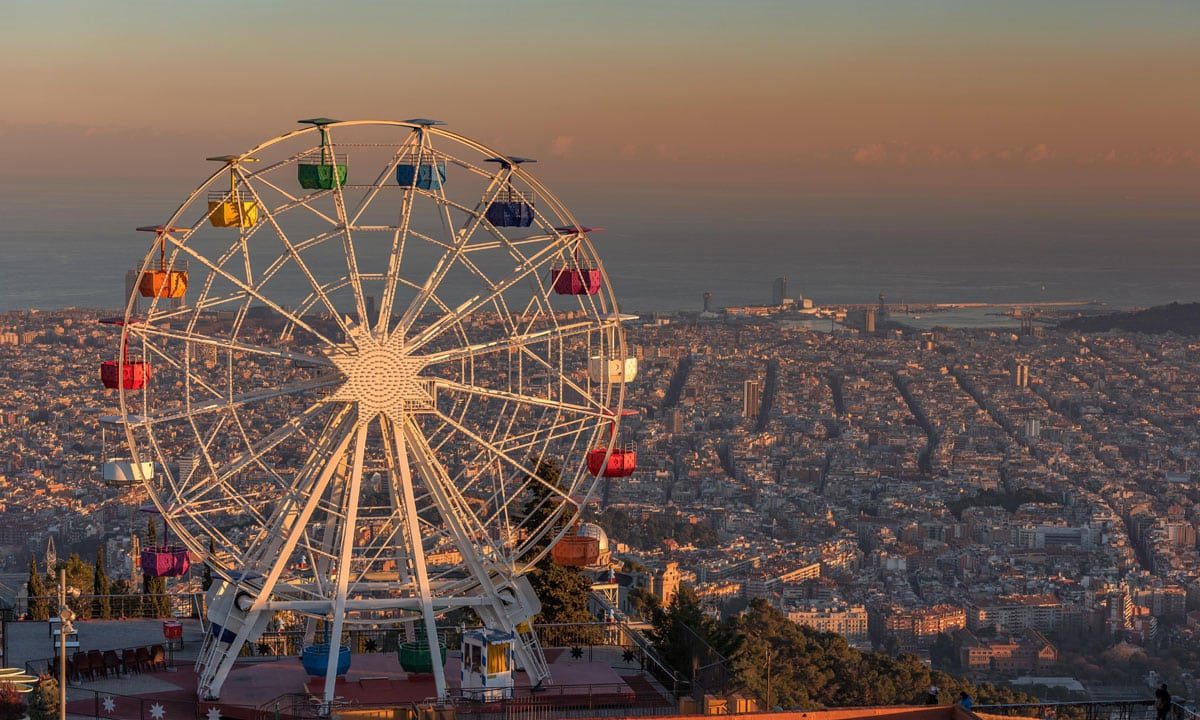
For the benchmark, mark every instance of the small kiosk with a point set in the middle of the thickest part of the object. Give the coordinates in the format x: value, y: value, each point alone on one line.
x: 487, y: 664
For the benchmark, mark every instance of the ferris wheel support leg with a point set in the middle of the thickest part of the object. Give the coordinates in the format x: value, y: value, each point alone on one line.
x: 328, y: 538
x: 345, y: 557
x: 287, y: 533
x: 397, y: 478
x: 497, y: 614
x: 417, y: 554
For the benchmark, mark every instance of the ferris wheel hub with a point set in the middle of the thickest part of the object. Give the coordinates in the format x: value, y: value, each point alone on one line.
x: 379, y: 376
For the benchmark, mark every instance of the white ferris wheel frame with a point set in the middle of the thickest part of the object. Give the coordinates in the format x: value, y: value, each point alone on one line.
x: 491, y: 566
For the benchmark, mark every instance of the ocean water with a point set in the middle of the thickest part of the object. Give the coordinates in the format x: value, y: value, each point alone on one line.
x: 69, y: 244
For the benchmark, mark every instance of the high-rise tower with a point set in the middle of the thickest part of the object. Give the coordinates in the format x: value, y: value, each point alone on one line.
x: 751, y: 398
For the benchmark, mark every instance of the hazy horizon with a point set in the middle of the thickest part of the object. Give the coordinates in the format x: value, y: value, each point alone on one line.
x: 909, y: 147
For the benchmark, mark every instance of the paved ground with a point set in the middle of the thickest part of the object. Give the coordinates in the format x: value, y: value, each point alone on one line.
x: 27, y: 641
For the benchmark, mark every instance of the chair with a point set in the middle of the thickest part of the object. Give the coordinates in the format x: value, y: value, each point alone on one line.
x: 112, y: 663
x: 143, y: 659
x: 158, y: 657
x: 96, y: 661
x: 82, y: 666
x: 129, y: 661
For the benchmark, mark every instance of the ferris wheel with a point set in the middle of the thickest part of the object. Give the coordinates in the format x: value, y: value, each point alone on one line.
x: 371, y: 373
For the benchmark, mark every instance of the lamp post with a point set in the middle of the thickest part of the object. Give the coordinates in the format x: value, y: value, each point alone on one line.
x: 66, y: 618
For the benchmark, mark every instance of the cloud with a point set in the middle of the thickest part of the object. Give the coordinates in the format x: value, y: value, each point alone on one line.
x: 561, y: 145
x: 1038, y: 153
x: 873, y: 154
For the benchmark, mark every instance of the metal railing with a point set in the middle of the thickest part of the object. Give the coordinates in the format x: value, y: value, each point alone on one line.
x: 120, y: 607
x: 553, y: 702
x: 1133, y: 709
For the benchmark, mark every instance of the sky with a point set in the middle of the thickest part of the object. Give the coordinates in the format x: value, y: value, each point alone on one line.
x: 895, y: 114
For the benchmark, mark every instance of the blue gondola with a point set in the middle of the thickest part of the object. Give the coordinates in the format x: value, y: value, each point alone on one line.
x: 425, y: 175
x: 510, y: 208
x: 315, y: 659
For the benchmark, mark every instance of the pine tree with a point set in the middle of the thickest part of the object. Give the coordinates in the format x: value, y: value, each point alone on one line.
x: 43, y: 701
x: 102, y: 586
x: 207, y: 580
x: 39, y: 607
x: 80, y: 575
x: 154, y: 589
x: 562, y: 591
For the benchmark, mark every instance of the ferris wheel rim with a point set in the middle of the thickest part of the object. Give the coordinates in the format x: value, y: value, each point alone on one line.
x: 131, y: 327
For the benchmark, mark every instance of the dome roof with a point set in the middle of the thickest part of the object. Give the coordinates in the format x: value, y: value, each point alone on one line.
x: 594, y: 530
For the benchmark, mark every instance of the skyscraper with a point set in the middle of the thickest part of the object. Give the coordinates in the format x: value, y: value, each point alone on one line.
x: 1021, y: 372
x: 779, y: 290
x: 751, y: 398
x: 869, y: 320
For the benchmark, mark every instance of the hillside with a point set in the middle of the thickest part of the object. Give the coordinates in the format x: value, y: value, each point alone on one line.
x: 1182, y: 318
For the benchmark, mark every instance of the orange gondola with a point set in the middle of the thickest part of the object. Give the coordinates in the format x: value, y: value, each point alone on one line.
x: 576, y: 551
x: 162, y: 283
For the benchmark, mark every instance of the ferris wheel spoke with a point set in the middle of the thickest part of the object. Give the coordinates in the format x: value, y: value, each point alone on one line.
x: 531, y: 266
x: 555, y: 334
x: 497, y: 453
x: 170, y: 360
x: 236, y: 401
x: 530, y: 401
x: 460, y: 239
x: 293, y: 201
x: 254, y: 293
x: 369, y: 197
x: 465, y: 529
x: 508, y: 243
x: 268, y: 443
x: 143, y: 329
x: 299, y: 261
x: 291, y: 515
x: 339, y: 205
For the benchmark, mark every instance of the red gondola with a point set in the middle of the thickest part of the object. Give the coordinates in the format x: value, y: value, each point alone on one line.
x: 576, y: 551
x: 123, y: 374
x: 622, y: 462
x: 165, y: 561
x: 576, y: 281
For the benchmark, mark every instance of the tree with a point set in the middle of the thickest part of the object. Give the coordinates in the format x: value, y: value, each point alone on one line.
x: 80, y: 575
x: 562, y: 591
x: 39, y: 607
x: 102, y: 586
x: 811, y: 669
x: 12, y: 706
x: 154, y: 589
x: 686, y: 636
x: 43, y: 701
x: 207, y: 580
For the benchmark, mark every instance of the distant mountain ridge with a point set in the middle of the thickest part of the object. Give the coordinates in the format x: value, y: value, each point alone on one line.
x: 1182, y: 318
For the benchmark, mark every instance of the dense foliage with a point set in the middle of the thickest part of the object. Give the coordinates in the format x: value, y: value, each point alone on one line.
x: 563, y: 591
x: 1178, y: 318
x: 807, y: 669
x: 39, y: 608
x: 999, y: 498
x: 646, y: 532
x: 154, y: 589
x: 43, y: 701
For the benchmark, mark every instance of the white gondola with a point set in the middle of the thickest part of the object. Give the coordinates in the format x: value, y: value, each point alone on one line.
x: 604, y: 368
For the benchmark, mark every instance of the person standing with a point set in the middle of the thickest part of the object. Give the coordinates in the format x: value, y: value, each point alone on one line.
x: 1162, y: 701
x: 931, y: 698
x: 965, y: 701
